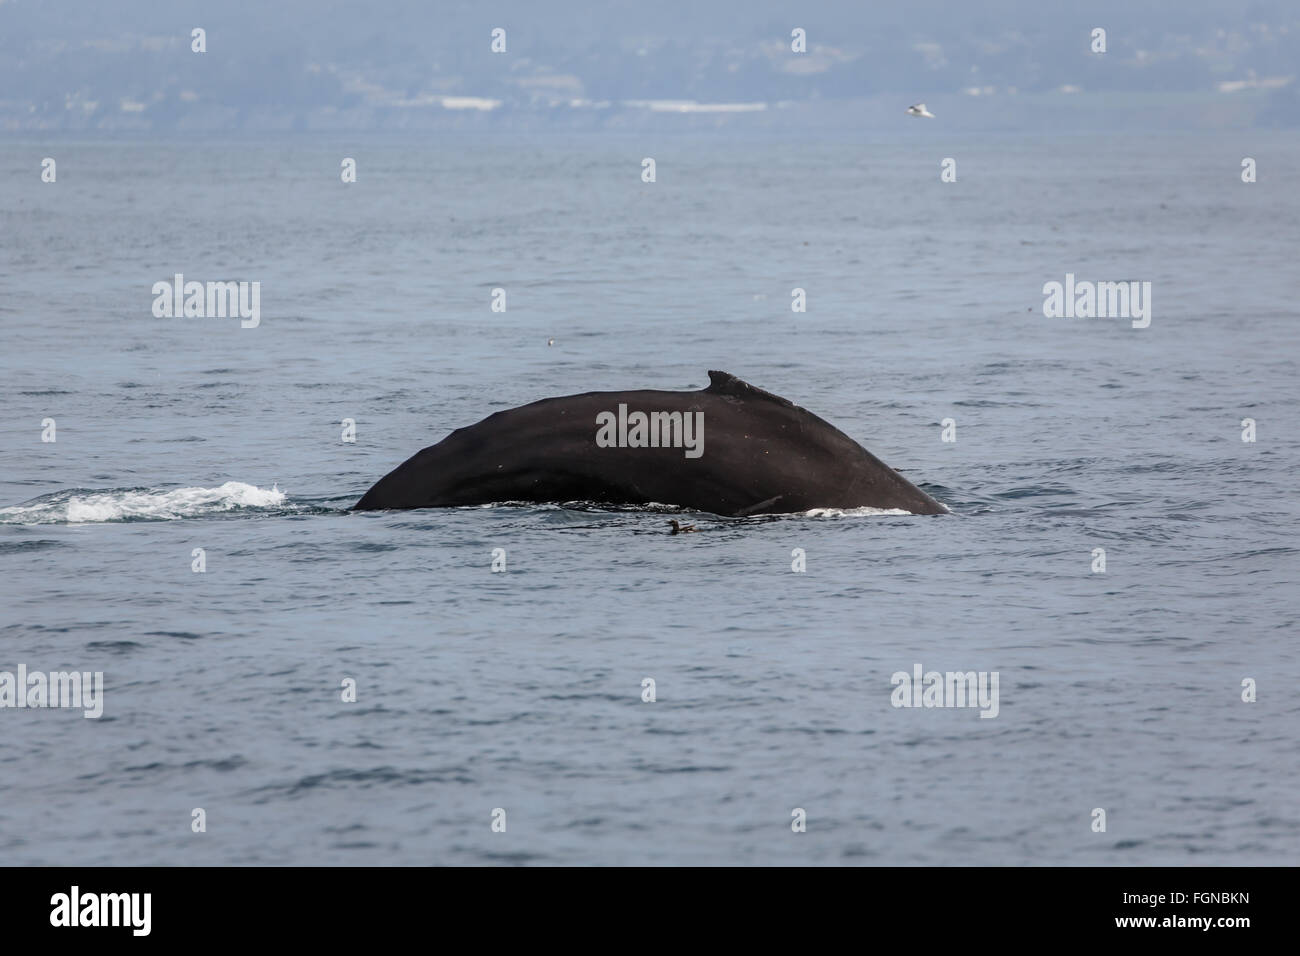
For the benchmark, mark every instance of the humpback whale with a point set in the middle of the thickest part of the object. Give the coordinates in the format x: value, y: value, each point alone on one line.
x: 730, y: 449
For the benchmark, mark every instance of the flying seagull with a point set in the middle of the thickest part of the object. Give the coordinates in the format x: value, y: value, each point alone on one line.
x: 919, y: 110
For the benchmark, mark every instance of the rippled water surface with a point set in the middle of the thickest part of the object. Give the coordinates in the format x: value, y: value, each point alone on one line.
x: 522, y: 690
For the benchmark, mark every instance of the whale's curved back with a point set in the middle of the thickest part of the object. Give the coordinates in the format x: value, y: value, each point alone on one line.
x: 758, y: 453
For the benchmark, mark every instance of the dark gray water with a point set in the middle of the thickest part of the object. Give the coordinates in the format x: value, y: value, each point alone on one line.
x: 522, y: 690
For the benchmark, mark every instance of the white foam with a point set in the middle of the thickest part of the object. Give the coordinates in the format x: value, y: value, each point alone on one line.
x: 159, y: 505
x: 853, y: 512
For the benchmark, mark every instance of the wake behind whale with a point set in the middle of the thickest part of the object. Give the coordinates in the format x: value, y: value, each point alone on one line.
x: 98, y: 505
x: 730, y: 449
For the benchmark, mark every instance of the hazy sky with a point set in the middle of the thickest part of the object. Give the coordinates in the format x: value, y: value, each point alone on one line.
x: 299, y: 64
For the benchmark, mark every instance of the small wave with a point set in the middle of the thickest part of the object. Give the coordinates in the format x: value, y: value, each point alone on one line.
x: 84, y: 506
x: 24, y: 547
x: 659, y: 507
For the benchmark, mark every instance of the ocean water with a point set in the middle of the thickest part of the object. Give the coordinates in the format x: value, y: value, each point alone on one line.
x: 522, y: 691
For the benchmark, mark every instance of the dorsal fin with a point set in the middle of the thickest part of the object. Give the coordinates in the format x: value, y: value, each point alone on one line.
x: 724, y: 383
